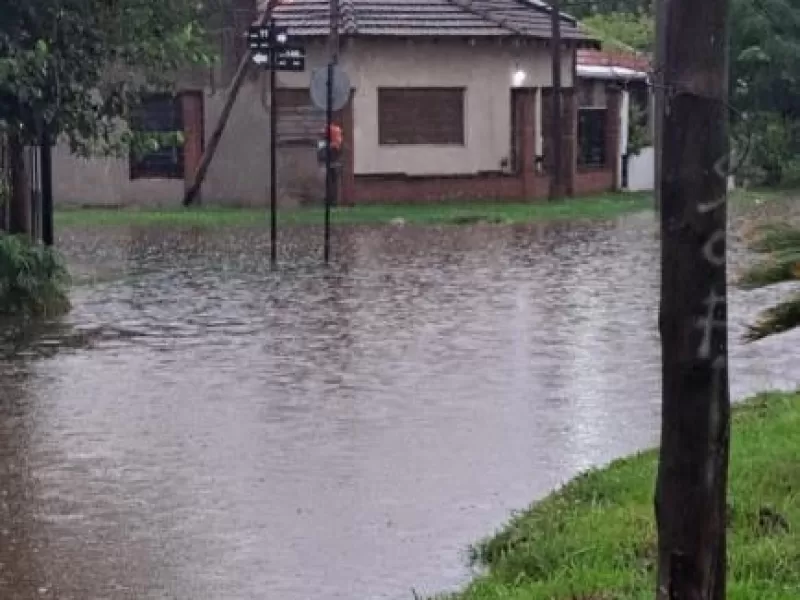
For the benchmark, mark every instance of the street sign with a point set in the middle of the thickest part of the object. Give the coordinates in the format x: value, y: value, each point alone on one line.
x: 288, y: 58
x: 319, y: 88
x: 262, y: 38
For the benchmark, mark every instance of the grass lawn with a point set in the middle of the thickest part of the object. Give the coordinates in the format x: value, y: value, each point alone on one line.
x: 596, y: 207
x: 595, y: 538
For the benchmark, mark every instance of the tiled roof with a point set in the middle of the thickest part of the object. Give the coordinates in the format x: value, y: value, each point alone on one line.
x: 426, y: 18
x: 607, y: 58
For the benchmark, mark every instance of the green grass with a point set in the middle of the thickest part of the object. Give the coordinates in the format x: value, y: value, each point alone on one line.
x: 595, y: 538
x: 597, y: 207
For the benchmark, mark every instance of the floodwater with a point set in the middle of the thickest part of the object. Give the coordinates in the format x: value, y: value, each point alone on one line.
x: 200, y: 427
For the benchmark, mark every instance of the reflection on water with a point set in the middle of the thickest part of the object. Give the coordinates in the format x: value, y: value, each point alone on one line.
x: 202, y: 428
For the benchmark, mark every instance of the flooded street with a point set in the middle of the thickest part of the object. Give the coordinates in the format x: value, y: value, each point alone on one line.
x: 201, y: 428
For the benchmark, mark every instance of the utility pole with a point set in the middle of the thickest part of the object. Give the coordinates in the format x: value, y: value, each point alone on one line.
x: 556, y: 187
x: 193, y: 190
x: 333, y: 41
x: 693, y: 463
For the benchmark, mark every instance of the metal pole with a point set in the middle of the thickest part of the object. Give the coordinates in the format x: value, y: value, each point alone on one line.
x: 328, y: 169
x: 555, y: 182
x: 334, y: 57
x: 46, y: 172
x: 273, y: 156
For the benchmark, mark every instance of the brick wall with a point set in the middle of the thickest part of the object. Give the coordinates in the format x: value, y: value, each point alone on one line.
x: 593, y: 181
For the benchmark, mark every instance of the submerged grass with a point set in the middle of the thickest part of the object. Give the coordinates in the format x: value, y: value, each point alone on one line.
x: 595, y: 539
x: 596, y: 207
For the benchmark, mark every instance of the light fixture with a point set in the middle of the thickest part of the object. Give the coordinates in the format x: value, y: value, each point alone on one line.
x: 518, y: 78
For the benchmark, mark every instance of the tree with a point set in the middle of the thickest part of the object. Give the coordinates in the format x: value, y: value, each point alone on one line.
x: 764, y: 73
x: 625, y: 31
x: 75, y: 67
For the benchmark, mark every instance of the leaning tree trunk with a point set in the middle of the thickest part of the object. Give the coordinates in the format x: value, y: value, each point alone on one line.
x: 19, y: 206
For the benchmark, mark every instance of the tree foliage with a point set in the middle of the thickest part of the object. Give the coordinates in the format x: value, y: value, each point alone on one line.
x: 78, y: 65
x: 33, y: 279
x: 625, y: 31
x: 764, y: 73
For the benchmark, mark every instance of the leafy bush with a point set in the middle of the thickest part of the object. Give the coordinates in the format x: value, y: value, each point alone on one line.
x: 33, y: 279
x: 774, y: 158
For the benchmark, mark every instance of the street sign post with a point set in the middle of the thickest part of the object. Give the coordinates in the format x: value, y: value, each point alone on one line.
x: 270, y: 48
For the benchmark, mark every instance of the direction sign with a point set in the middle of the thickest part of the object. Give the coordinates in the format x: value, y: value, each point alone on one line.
x: 289, y: 58
x: 264, y: 37
x: 319, y: 88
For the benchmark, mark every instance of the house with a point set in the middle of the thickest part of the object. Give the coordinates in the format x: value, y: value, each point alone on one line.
x: 599, y: 70
x: 450, y: 100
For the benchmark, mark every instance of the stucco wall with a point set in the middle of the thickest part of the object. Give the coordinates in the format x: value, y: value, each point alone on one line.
x: 239, y: 174
x: 485, y: 69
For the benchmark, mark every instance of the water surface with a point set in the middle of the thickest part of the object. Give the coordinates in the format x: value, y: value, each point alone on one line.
x: 200, y: 427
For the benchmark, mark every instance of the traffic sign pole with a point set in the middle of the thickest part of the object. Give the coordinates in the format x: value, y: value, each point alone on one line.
x: 328, y: 169
x: 270, y: 48
x: 273, y: 156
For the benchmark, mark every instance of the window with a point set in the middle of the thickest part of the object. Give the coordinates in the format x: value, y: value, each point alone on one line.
x: 432, y: 116
x: 592, y: 137
x: 300, y: 123
x: 158, y: 114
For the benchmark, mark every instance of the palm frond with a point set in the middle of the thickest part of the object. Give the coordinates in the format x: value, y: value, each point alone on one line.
x: 775, y: 320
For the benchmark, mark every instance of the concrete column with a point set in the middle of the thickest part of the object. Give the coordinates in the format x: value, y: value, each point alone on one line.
x: 613, y: 133
x: 625, y: 118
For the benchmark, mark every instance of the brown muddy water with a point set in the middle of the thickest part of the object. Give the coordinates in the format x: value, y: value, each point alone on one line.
x: 200, y: 427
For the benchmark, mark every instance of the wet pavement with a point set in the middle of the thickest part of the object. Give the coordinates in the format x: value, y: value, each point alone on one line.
x: 200, y: 427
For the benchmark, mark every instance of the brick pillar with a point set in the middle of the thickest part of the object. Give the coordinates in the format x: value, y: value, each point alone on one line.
x: 347, y: 180
x: 613, y: 133
x: 569, y: 144
x: 526, y: 130
x: 192, y: 109
x: 569, y: 137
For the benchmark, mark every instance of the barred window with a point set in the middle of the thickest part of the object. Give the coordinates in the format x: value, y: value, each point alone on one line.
x: 161, y: 113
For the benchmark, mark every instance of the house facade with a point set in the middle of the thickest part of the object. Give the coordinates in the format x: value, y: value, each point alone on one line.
x: 598, y: 71
x: 450, y: 100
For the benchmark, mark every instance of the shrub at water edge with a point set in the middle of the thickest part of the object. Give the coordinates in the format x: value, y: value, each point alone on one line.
x: 33, y: 279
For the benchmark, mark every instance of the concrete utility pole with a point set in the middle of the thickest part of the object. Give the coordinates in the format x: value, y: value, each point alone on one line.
x: 556, y: 180
x: 693, y: 463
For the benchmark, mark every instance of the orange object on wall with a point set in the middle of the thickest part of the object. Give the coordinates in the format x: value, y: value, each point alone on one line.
x: 337, y: 137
